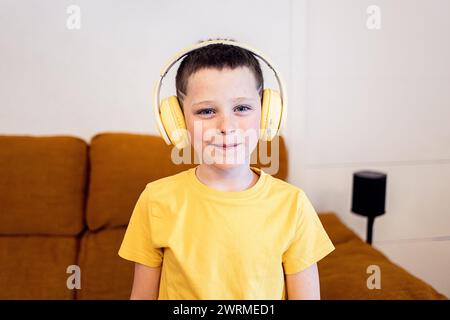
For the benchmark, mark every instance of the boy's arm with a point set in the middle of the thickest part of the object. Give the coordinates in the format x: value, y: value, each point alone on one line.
x: 145, y: 283
x: 303, y: 285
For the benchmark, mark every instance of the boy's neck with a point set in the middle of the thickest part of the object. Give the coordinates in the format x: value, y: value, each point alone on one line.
x: 237, y: 178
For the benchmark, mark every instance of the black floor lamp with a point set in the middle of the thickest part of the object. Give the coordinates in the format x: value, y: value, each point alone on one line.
x: 369, y: 196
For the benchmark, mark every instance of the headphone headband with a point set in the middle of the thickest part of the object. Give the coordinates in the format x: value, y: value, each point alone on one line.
x: 184, y: 52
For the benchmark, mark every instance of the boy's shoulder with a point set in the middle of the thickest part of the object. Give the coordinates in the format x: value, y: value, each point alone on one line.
x: 280, y: 186
x: 166, y: 185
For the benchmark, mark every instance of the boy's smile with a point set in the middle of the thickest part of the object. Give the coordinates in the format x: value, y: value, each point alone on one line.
x: 222, y: 110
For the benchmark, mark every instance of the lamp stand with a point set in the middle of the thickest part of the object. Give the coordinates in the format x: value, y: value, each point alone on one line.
x: 370, y: 221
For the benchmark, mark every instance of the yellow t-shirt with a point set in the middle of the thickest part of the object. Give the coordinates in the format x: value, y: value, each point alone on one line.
x: 216, y: 244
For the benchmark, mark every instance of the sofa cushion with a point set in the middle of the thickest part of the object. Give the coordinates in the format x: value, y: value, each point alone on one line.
x: 34, y: 267
x: 43, y: 185
x: 104, y: 274
x: 121, y: 166
x: 344, y: 272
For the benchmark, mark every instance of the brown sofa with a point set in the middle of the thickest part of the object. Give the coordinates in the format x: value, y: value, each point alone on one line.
x: 64, y: 202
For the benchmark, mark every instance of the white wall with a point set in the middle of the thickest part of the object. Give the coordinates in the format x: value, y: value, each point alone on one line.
x: 358, y: 98
x: 101, y: 77
x: 379, y: 100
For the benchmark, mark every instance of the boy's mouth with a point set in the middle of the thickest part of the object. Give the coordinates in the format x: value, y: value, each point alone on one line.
x: 226, y: 146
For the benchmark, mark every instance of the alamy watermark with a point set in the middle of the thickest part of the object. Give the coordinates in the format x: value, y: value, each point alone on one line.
x: 73, y: 21
x: 74, y: 280
x: 374, y: 280
x: 208, y: 148
x: 374, y: 19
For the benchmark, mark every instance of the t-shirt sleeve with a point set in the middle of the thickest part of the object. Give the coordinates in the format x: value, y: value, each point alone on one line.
x: 137, y: 243
x: 310, y: 242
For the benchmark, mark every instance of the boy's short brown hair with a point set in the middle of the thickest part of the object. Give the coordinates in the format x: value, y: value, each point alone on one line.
x: 216, y: 56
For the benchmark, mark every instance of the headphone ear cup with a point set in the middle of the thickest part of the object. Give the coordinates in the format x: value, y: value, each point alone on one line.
x: 172, y: 119
x: 271, y: 109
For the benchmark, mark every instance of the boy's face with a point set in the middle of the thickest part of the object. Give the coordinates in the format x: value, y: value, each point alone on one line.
x: 223, y: 107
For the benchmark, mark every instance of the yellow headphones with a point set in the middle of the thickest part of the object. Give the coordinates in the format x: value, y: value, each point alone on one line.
x: 169, y: 115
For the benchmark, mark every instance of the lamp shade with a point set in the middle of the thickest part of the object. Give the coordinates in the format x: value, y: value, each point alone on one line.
x: 369, y: 193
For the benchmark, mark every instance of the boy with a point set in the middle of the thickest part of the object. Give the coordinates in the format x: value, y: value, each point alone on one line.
x: 224, y: 229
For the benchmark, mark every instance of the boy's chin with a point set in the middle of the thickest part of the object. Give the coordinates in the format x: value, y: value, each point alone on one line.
x: 228, y: 166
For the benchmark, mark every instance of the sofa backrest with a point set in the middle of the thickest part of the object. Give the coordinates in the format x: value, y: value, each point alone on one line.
x: 43, y: 184
x: 59, y: 185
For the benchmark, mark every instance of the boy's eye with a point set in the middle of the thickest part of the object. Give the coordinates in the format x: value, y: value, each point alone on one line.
x: 210, y: 111
x: 205, y: 111
x: 243, y: 108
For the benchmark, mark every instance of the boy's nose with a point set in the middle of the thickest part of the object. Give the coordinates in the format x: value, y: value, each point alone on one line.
x: 227, y: 125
